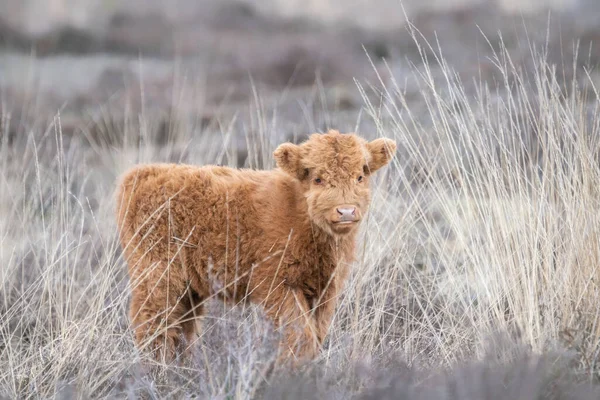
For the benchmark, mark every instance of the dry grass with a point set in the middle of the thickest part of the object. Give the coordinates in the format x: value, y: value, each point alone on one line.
x: 486, y: 224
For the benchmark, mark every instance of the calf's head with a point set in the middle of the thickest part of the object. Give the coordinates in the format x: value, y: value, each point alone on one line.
x: 334, y: 170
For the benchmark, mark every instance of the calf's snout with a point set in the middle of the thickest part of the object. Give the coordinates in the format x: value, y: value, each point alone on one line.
x: 346, y: 213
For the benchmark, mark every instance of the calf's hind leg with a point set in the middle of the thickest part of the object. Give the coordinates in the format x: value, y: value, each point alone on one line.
x: 158, y: 309
x: 190, y: 322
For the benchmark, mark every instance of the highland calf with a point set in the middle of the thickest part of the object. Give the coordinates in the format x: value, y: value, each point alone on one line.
x: 282, y: 238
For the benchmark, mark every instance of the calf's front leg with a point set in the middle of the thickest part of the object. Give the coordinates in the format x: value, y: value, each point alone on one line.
x: 324, y: 311
x: 290, y: 312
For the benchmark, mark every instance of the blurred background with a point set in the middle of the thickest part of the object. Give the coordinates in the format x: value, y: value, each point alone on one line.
x: 212, y: 60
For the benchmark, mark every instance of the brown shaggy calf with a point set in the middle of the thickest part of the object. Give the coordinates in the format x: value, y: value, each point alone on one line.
x: 282, y: 238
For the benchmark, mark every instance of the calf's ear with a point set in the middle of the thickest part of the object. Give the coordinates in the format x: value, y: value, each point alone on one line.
x: 382, y: 150
x: 288, y: 157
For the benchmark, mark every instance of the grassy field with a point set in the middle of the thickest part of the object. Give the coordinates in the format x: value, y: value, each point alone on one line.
x: 476, y: 275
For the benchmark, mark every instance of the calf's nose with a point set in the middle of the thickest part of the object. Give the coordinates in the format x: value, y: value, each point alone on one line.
x: 346, y: 213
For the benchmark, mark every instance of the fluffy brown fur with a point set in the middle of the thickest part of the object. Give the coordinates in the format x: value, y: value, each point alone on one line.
x: 279, y: 238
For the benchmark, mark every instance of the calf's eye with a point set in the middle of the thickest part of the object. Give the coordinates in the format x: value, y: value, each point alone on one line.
x: 360, y: 178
